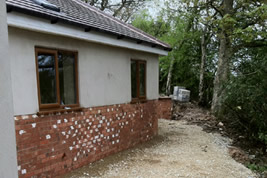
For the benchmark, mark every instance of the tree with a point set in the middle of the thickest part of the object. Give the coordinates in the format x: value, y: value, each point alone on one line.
x: 240, y: 23
x: 123, y: 9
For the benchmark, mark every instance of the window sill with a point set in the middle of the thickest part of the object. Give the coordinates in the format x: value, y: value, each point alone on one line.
x: 55, y: 111
x: 134, y: 101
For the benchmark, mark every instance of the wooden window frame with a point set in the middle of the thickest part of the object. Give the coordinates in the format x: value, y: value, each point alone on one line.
x: 138, y: 97
x: 56, y: 106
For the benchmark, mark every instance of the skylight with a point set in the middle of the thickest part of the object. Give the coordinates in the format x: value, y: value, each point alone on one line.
x: 47, y: 5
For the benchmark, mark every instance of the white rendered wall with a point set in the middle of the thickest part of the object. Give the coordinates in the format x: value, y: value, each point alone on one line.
x: 104, y: 71
x: 8, y: 158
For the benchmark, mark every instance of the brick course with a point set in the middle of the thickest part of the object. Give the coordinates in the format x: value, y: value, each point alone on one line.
x: 164, y: 110
x: 51, y: 145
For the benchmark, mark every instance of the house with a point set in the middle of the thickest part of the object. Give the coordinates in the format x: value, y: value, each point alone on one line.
x: 84, y: 84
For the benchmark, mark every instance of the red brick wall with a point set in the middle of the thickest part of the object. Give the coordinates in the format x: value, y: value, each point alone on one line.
x: 164, y: 110
x: 55, y: 144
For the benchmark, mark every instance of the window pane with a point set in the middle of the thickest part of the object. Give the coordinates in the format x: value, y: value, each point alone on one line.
x: 67, y: 80
x: 142, y: 73
x: 47, y: 78
x: 133, y: 79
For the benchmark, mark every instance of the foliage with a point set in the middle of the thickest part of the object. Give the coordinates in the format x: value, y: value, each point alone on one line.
x: 246, y: 93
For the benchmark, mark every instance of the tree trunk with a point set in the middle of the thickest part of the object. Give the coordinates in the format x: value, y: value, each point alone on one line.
x: 222, y: 73
x: 202, y: 66
x: 225, y: 53
x: 169, y: 78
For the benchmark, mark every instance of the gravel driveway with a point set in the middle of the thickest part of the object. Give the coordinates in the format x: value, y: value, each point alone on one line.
x: 180, y: 150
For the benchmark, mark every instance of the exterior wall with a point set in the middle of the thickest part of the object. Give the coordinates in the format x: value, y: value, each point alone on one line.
x: 165, y: 107
x: 49, y: 146
x: 8, y: 166
x: 104, y: 71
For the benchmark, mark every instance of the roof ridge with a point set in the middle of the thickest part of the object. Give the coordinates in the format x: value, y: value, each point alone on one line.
x: 120, y: 22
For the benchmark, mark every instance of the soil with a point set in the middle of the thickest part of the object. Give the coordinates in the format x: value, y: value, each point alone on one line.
x: 192, y: 145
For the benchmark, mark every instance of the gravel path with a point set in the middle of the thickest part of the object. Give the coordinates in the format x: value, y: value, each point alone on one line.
x: 180, y: 150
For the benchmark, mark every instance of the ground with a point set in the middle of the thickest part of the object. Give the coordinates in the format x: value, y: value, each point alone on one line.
x: 181, y: 149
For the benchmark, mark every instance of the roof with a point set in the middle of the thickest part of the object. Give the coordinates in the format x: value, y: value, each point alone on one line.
x: 78, y: 13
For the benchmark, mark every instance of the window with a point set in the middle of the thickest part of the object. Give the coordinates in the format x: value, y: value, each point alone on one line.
x: 138, y: 79
x: 57, y: 78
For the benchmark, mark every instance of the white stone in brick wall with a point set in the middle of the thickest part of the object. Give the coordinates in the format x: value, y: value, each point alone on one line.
x: 96, y: 137
x: 94, y: 141
x: 55, y: 126
x: 113, y: 142
x: 120, y: 114
x: 102, y: 135
x: 96, y: 130
x: 99, y: 140
x: 72, y: 119
x: 103, y: 117
x: 76, y: 131
x: 99, y: 111
x: 117, y: 135
x: 73, y: 143
x: 19, y: 167
x: 117, y: 109
x: 108, y: 138
x: 131, y: 130
x: 91, y: 131
x: 147, y: 136
x: 33, y: 125
x: 118, y: 141
x: 112, y: 109
x: 94, y: 148
x: 112, y: 129
x: 63, y: 133
x: 15, y: 118
x: 122, y: 123
x: 76, y: 122
x: 122, y: 127
x: 123, y: 117
x: 125, y: 113
x: 79, y: 126
x: 75, y: 159
x: 80, y: 141
x: 87, y: 136
x: 126, y: 122
x: 150, y: 124
x: 113, y: 136
x: 78, y: 154
x: 74, y: 135
x: 52, y: 149
x: 119, y: 105
x: 69, y: 132
x: 141, y: 116
x: 83, y: 151
x: 77, y: 146
x: 34, y: 116
x: 25, y: 117
x: 133, y: 115
x: 90, y: 109
x: 58, y: 121
x: 110, y: 119
x: 100, y: 121
x: 108, y: 124
x: 88, y: 150
x: 108, y: 130
x: 63, y: 142
x: 118, y: 118
x: 65, y: 120
x: 67, y: 136
x: 107, y: 110
x: 129, y: 115
x: 119, y: 131
x: 22, y: 132
x: 48, y: 137
x: 24, y: 171
x: 117, y: 115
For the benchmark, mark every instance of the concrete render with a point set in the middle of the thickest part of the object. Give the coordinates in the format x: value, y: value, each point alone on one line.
x: 8, y: 157
x: 104, y: 71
